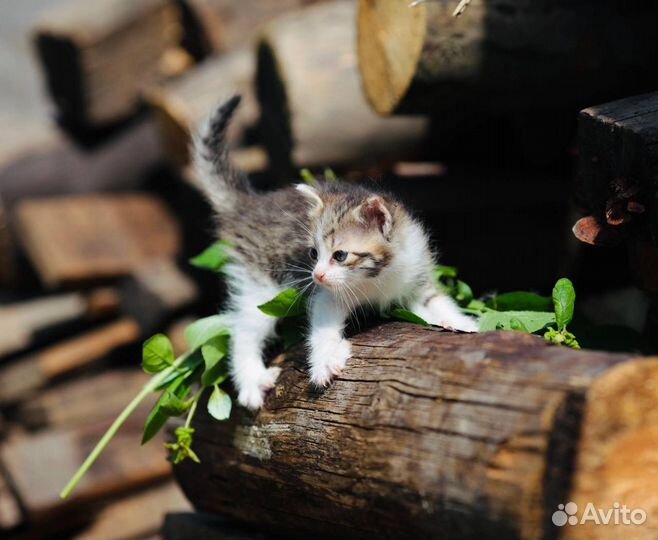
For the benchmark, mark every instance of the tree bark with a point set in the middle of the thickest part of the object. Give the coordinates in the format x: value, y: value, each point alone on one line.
x: 97, y: 56
x: 503, y: 54
x: 313, y: 109
x: 431, y: 434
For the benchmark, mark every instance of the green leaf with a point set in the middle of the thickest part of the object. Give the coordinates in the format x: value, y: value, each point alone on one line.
x: 409, y: 316
x: 533, y: 321
x: 219, y: 404
x: 192, y: 362
x: 329, y: 175
x: 167, y: 405
x: 441, y: 271
x: 154, y: 423
x: 202, y: 330
x: 564, y: 299
x: 307, y: 176
x: 516, y: 324
x: 214, y: 352
x: 213, y: 257
x: 157, y: 354
x: 520, y: 301
x: 172, y: 405
x: 475, y: 307
x: 463, y: 293
x: 288, y: 303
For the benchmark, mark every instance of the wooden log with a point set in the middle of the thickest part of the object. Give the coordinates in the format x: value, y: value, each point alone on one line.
x: 97, y: 57
x: 313, y: 109
x: 24, y: 376
x: 74, y: 403
x: 39, y: 465
x: 618, y: 180
x: 503, y: 55
x: 136, y: 516
x: 182, y: 104
x: 431, y: 434
x: 223, y: 25
x: 85, y: 238
x: 43, y: 162
x: 23, y: 322
x: 155, y: 293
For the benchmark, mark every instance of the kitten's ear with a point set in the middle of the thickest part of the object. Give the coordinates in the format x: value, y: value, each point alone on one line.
x: 312, y: 196
x: 375, y: 213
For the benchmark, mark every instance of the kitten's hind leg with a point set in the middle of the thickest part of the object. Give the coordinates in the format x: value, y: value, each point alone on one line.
x: 439, y: 309
x: 250, y: 330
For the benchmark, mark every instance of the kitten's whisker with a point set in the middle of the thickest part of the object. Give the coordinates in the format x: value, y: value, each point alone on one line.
x: 353, y: 302
x: 359, y: 303
x: 297, y: 281
x: 365, y: 296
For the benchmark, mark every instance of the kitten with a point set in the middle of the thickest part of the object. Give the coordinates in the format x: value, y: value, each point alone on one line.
x: 355, y: 247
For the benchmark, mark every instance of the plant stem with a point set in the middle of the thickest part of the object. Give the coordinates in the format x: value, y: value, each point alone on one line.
x: 149, y: 387
x: 190, y: 413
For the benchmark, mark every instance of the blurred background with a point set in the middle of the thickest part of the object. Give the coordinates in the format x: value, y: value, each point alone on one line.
x: 504, y: 129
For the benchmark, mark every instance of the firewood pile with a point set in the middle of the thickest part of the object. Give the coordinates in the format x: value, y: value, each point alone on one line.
x: 471, y: 120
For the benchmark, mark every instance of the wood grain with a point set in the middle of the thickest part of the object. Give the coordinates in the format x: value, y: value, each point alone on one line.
x: 78, y: 239
x: 430, y: 434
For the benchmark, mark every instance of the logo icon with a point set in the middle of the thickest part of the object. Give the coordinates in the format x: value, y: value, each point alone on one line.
x: 566, y: 513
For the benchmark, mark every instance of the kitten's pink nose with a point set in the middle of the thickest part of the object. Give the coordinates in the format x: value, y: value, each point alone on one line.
x: 319, y: 276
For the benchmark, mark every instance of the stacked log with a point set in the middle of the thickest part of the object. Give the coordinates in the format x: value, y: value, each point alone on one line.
x: 213, y: 26
x: 181, y: 105
x: 98, y: 56
x: 503, y: 55
x: 313, y: 112
x: 429, y: 434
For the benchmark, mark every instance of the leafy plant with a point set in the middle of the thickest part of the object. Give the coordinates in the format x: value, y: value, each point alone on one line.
x: 183, y: 381
x: 564, y: 300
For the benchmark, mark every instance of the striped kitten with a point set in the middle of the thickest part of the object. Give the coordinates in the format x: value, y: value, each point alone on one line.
x: 352, y: 247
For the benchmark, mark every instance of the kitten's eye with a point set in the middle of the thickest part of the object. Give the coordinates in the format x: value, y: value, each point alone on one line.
x: 340, y: 256
x: 313, y: 253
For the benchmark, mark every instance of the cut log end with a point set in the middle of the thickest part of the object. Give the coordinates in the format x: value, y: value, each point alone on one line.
x: 390, y: 41
x: 616, y: 460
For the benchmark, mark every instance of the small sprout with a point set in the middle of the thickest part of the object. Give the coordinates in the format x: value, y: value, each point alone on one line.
x: 307, y: 176
x: 182, y: 448
x: 330, y: 175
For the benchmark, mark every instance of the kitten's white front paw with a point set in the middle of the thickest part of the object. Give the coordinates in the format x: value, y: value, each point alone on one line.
x: 328, y: 360
x: 463, y: 323
x: 252, y: 389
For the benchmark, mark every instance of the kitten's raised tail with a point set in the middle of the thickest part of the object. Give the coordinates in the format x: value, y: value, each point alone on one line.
x: 218, y: 179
